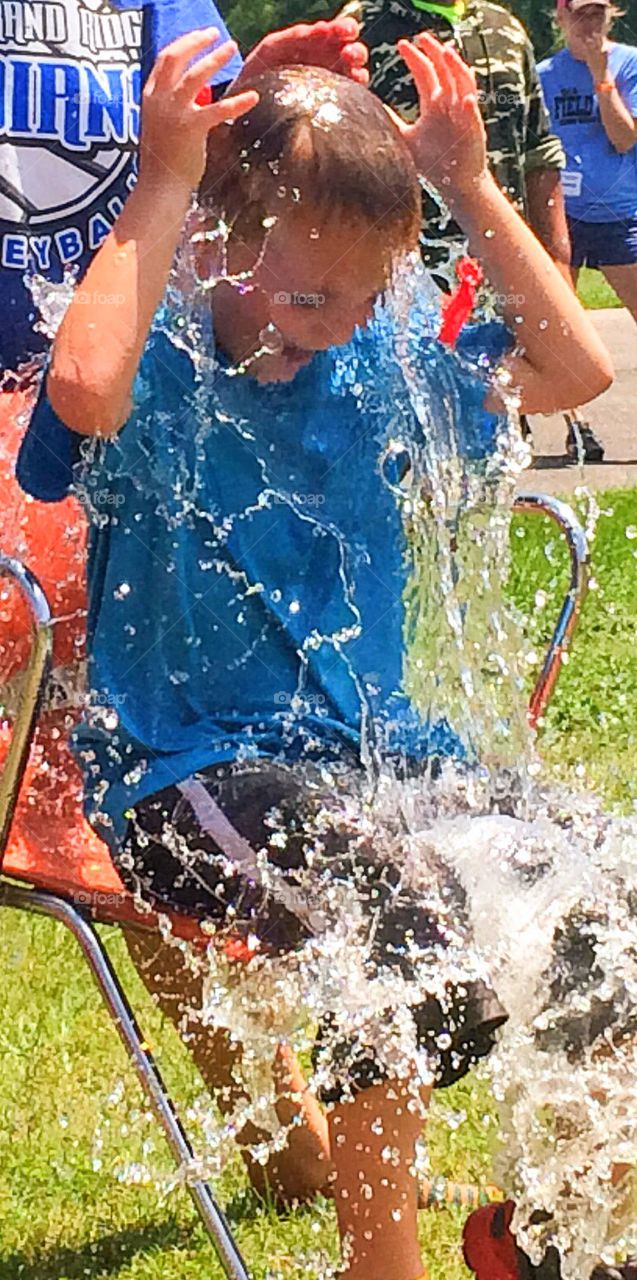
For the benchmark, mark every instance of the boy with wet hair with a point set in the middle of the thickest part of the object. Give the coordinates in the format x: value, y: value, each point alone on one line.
x: 258, y: 676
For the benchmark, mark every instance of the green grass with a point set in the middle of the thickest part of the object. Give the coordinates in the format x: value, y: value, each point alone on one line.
x: 68, y: 1211
x: 594, y: 290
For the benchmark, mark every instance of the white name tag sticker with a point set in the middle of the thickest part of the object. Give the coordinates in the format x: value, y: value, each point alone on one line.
x: 571, y: 182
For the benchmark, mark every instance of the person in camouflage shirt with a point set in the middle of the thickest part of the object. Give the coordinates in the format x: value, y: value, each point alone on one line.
x: 524, y: 156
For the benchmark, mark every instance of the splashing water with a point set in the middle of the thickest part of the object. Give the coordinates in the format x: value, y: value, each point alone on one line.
x: 532, y: 888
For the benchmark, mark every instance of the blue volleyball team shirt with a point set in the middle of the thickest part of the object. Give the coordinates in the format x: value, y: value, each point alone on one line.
x: 599, y: 183
x: 248, y: 561
x: 71, y: 76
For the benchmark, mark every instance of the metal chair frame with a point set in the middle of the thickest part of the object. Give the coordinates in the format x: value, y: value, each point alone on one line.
x: 81, y: 920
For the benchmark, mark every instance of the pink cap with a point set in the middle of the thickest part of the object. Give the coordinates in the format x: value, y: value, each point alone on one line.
x: 574, y: 5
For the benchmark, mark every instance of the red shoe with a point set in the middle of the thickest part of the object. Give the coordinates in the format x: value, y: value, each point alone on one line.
x: 488, y: 1246
x: 491, y: 1252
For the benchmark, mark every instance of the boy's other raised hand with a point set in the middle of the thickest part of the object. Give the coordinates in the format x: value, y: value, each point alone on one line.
x: 175, y: 125
x: 334, y: 45
x: 448, y: 141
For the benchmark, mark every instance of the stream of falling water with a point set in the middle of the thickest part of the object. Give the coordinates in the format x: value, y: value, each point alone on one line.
x: 534, y: 888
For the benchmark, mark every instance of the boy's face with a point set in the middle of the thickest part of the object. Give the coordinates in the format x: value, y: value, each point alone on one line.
x: 317, y: 281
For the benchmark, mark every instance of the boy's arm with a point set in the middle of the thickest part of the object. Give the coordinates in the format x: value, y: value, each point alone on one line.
x: 547, y: 216
x: 560, y: 361
x: 100, y: 342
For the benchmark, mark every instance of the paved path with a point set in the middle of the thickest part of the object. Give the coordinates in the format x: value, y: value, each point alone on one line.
x: 613, y: 416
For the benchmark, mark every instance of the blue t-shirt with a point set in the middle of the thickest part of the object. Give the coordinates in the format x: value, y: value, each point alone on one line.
x: 599, y: 184
x: 248, y: 559
x: 70, y: 91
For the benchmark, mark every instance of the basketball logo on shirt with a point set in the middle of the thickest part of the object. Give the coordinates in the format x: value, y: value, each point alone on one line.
x: 70, y: 86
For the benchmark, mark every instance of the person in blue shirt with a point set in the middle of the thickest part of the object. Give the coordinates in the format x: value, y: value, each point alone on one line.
x: 590, y: 88
x: 244, y: 467
x: 71, y: 78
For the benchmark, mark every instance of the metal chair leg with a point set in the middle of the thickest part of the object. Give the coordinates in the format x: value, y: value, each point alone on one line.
x: 35, y: 676
x: 575, y: 538
x: 148, y: 1074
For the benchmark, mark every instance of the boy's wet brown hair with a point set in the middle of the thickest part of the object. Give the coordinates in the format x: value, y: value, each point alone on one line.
x: 318, y: 139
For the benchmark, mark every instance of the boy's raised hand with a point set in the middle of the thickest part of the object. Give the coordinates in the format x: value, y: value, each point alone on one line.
x: 174, y: 125
x: 334, y: 45
x: 448, y: 141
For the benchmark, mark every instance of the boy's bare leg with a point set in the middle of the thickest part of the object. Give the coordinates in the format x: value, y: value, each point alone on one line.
x: 376, y: 1198
x: 302, y: 1169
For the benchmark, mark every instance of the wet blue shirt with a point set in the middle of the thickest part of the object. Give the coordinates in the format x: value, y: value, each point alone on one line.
x: 248, y: 559
x: 71, y: 76
x: 600, y: 184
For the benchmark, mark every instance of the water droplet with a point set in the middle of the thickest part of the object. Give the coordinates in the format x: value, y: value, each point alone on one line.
x: 271, y: 340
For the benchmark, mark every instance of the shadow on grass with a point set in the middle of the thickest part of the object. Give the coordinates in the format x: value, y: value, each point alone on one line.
x: 247, y: 1204
x: 103, y: 1257
x: 557, y: 461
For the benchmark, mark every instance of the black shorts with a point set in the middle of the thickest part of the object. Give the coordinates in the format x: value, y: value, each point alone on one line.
x: 603, y: 244
x: 233, y: 844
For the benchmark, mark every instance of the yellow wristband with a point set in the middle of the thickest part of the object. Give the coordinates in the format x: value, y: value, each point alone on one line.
x: 605, y: 86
